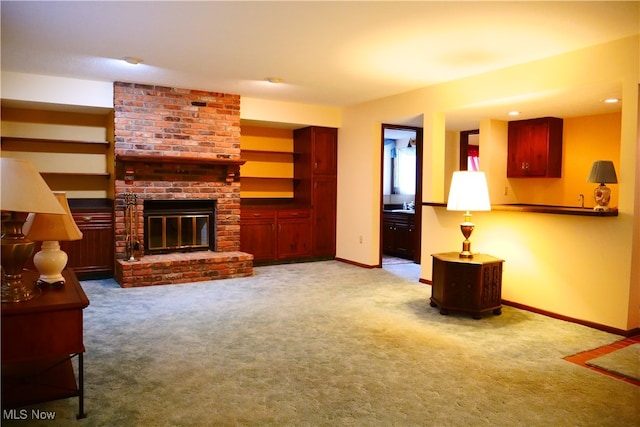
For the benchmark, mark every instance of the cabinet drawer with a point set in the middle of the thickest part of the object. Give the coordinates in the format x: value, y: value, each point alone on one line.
x: 294, y: 213
x: 92, y: 218
x: 257, y: 214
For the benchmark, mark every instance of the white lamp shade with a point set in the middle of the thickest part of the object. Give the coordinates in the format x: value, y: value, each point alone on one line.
x: 469, y: 192
x: 24, y: 190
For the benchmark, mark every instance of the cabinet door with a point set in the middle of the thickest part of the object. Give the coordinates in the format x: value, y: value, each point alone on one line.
x: 325, y: 154
x: 258, y: 234
x: 538, y: 144
x: 535, y: 148
x: 388, y: 237
x: 258, y: 239
x: 94, y: 253
x: 518, y: 150
x: 402, y: 239
x: 294, y: 238
x: 324, y: 216
x: 462, y: 286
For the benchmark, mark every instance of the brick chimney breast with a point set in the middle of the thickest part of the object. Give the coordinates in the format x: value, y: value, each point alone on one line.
x: 164, y: 139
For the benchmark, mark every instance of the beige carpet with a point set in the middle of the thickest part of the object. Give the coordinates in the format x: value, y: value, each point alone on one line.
x: 330, y: 344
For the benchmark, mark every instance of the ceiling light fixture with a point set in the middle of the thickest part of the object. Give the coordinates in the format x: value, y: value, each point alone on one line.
x: 274, y: 80
x: 611, y: 101
x: 514, y: 113
x: 132, y: 60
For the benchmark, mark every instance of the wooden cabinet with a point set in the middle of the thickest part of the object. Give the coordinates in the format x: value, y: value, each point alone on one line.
x: 94, y: 254
x: 257, y: 233
x: 315, y: 171
x: 302, y: 226
x: 294, y: 233
x: 399, y: 237
x: 39, y: 339
x: 471, y: 285
x: 275, y: 234
x: 535, y: 148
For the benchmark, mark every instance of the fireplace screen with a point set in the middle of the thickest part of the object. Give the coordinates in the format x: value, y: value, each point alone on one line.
x: 178, y: 232
x: 178, y: 226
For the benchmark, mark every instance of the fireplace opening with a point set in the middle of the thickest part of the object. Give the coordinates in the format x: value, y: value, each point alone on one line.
x: 179, y: 225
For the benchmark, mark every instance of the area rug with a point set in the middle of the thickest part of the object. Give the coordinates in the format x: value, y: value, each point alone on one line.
x: 624, y: 362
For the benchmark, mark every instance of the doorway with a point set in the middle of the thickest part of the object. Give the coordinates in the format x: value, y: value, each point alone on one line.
x: 470, y: 150
x: 401, y: 193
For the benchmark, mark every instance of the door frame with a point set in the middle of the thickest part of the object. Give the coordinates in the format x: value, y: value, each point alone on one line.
x: 418, y: 197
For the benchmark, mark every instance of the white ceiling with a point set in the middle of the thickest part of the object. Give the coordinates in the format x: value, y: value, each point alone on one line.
x: 328, y: 53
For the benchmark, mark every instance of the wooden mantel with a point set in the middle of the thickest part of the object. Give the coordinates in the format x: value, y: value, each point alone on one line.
x: 232, y: 166
x: 221, y: 161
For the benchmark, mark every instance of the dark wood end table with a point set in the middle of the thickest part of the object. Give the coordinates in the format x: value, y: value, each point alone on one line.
x: 40, y: 338
x: 471, y: 285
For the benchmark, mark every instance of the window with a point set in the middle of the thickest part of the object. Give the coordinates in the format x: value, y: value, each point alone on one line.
x: 473, y: 157
x: 405, y: 178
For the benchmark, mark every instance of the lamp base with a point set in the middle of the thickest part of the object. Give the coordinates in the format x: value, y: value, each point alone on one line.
x: 13, y: 290
x: 602, y: 196
x: 466, y: 228
x: 50, y: 261
x: 16, y: 250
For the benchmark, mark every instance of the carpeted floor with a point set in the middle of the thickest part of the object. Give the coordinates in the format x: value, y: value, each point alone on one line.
x: 330, y: 344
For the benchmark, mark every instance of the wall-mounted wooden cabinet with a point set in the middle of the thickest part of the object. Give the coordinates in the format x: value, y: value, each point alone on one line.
x: 535, y: 148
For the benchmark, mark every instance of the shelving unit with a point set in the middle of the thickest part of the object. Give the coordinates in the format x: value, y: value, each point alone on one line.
x: 71, y: 149
x: 289, y: 198
x: 269, y: 168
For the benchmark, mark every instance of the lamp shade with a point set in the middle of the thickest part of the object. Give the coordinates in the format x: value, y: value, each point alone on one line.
x: 469, y: 192
x: 603, y: 172
x: 45, y: 227
x: 24, y: 190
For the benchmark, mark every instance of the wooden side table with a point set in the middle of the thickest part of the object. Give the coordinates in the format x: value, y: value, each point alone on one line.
x: 471, y: 285
x: 40, y: 337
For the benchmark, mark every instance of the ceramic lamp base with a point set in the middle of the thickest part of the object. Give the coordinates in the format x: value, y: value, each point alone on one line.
x: 50, y: 261
x: 602, y: 196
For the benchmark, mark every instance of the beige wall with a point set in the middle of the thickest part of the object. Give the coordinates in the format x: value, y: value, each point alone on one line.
x: 573, y: 266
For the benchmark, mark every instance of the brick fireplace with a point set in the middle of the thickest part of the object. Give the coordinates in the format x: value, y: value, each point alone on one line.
x: 172, y: 145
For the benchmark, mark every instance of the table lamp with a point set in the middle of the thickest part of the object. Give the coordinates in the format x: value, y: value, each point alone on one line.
x: 50, y: 229
x: 22, y: 191
x: 468, y: 192
x: 602, y: 172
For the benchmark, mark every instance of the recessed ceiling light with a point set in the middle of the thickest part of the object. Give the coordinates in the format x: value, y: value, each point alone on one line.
x: 274, y: 79
x: 611, y: 101
x: 514, y: 113
x: 132, y: 60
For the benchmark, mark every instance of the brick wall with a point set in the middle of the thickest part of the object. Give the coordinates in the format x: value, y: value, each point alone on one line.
x: 176, y: 144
